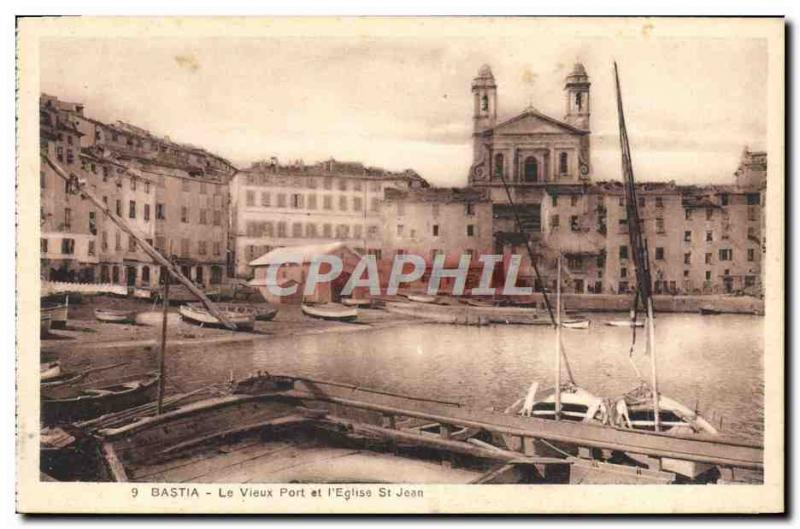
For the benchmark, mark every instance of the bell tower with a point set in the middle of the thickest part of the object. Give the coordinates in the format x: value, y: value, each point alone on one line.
x: 577, y: 91
x: 484, y: 115
x: 484, y: 93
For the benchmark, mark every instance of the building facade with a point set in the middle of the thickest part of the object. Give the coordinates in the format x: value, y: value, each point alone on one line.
x: 275, y: 205
x: 175, y: 196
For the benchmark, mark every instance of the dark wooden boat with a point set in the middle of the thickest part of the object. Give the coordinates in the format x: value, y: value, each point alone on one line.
x: 244, y: 320
x: 62, y: 379
x: 67, y: 405
x: 115, y: 316
x: 330, y: 311
x: 44, y: 326
x: 261, y: 311
x: 282, y: 429
x: 708, y: 311
x: 57, y: 311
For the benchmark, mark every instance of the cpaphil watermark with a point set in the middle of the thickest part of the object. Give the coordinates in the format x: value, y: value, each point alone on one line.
x: 405, y: 270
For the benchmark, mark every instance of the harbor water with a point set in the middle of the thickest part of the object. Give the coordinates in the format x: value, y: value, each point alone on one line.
x: 713, y: 363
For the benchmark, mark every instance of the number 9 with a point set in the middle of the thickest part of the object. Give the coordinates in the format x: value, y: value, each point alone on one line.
x: 134, y: 492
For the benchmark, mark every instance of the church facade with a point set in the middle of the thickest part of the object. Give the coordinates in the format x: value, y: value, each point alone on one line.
x: 527, y: 155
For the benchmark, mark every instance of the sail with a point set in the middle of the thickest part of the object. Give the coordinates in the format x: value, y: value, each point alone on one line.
x: 637, y: 242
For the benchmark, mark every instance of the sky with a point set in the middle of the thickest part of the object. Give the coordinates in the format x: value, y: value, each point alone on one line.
x: 691, y: 105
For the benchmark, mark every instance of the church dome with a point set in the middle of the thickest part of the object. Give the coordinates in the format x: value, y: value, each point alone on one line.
x: 578, y: 74
x: 485, y: 71
x: 578, y: 69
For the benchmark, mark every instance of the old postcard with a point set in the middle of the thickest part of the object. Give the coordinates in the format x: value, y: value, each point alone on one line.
x: 417, y: 265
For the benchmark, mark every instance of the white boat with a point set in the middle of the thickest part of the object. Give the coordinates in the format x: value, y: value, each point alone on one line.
x: 576, y: 324
x: 330, y: 311
x: 201, y: 316
x: 357, y: 302
x: 421, y: 298
x: 115, y: 316
x: 645, y: 407
x: 577, y: 404
x: 49, y: 370
x: 625, y: 323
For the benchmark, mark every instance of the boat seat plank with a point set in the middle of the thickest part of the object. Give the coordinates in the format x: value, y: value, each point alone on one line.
x: 217, y: 459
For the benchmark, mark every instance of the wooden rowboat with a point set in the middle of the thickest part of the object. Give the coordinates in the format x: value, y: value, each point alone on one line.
x: 49, y: 370
x: 244, y: 320
x: 330, y: 311
x: 60, y: 407
x: 261, y: 311
x: 708, y: 311
x: 58, y: 313
x: 357, y: 302
x: 115, y: 316
x: 625, y: 323
x: 63, y: 379
x: 421, y: 298
x: 576, y: 324
x: 478, y: 302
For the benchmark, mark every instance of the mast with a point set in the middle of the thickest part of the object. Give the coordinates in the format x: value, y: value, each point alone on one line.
x: 644, y: 292
x: 557, y: 410
x: 80, y: 187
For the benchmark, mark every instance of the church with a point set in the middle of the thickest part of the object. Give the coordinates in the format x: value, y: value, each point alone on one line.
x: 528, y: 154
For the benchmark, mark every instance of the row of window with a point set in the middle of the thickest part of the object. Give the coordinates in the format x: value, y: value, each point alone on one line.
x: 725, y: 254
x: 342, y: 184
x: 753, y: 199
x: 310, y: 230
x: 301, y: 201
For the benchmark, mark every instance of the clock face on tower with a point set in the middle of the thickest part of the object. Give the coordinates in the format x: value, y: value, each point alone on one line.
x: 584, y: 169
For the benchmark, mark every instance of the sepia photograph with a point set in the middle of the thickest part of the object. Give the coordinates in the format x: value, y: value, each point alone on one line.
x: 414, y: 265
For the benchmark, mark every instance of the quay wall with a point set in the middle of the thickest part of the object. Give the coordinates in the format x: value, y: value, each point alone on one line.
x: 617, y: 303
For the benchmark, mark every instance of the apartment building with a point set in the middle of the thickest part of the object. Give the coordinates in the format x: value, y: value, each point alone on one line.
x: 701, y: 239
x: 275, y: 205
x: 175, y: 196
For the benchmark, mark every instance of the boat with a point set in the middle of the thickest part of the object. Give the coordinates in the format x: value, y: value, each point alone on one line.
x: 115, y: 316
x: 58, y: 312
x: 576, y: 324
x: 142, y: 293
x: 708, y: 311
x: 645, y: 407
x: 260, y: 311
x: 625, y: 323
x: 330, y: 311
x: 62, y: 379
x: 199, y: 315
x: 478, y: 302
x: 421, y: 298
x: 44, y: 326
x: 357, y: 302
x: 49, y: 370
x: 69, y: 404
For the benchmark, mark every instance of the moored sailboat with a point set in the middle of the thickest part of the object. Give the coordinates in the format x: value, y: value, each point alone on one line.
x: 644, y: 407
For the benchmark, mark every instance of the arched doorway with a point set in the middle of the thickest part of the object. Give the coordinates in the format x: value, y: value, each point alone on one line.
x: 531, y: 169
x: 146, y: 275
x: 130, y: 275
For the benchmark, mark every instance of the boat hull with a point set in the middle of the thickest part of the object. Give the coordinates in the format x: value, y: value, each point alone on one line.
x: 63, y: 407
x: 58, y: 314
x: 330, y: 311
x: 115, y: 316
x: 242, y: 321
